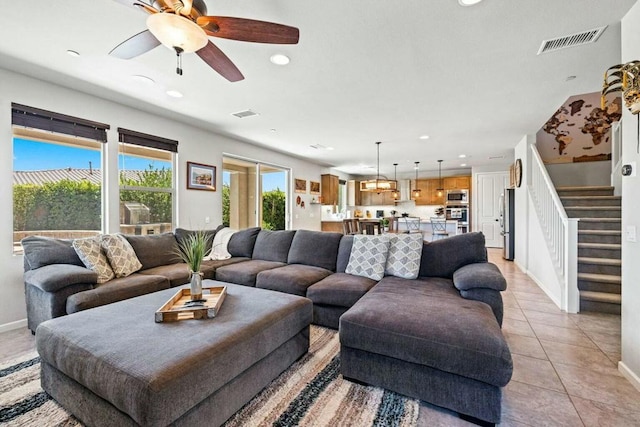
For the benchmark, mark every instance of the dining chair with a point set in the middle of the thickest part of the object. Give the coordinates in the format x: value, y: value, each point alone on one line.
x: 413, y: 225
x: 350, y: 226
x: 438, y: 228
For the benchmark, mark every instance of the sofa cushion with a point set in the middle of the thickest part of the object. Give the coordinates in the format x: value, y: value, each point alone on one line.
x: 177, y: 274
x: 41, y: 251
x: 479, y: 275
x: 406, y: 323
x: 291, y: 279
x: 181, y: 234
x: 217, y: 263
x: 344, y: 252
x: 120, y: 254
x: 116, y: 290
x: 404, y: 255
x: 316, y: 248
x: 368, y: 256
x: 52, y: 278
x: 155, y: 249
x: 243, y: 241
x: 340, y: 289
x: 92, y: 254
x: 441, y: 258
x: 245, y: 273
x: 273, y: 245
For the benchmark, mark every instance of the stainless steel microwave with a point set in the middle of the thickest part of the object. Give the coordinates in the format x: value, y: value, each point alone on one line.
x: 457, y: 197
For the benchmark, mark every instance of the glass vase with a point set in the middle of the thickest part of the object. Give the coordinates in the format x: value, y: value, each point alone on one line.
x: 196, y: 286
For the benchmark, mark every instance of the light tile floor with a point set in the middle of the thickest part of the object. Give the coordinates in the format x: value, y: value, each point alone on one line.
x: 565, y: 365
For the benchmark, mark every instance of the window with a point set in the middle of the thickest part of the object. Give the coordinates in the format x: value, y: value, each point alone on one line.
x: 147, y: 184
x: 57, y: 180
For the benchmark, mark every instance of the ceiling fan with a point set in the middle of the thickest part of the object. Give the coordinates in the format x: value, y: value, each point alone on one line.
x: 183, y: 25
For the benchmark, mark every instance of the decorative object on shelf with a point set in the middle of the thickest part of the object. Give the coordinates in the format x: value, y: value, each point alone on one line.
x: 300, y: 185
x: 439, y: 211
x: 385, y: 224
x: 440, y: 189
x: 624, y: 78
x: 368, y: 213
x: 298, y: 200
x: 314, y: 187
x: 416, y: 191
x: 518, y: 173
x: 393, y: 213
x: 302, y: 204
x: 192, y: 250
x: 395, y: 194
x: 201, y: 177
x: 378, y: 185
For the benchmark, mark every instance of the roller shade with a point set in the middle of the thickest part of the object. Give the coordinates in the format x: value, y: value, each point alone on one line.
x: 137, y: 138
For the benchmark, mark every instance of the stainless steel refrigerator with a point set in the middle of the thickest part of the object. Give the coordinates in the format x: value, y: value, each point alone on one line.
x: 507, y: 214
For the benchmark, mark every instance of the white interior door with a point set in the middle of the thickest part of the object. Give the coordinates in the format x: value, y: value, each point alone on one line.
x: 489, y: 186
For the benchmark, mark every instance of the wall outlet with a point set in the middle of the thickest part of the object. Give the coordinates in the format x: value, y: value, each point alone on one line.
x: 631, y: 233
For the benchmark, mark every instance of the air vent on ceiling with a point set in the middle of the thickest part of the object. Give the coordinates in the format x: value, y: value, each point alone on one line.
x: 245, y: 113
x: 572, y: 40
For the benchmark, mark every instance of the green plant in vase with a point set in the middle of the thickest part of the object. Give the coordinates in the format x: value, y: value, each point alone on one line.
x: 192, y: 250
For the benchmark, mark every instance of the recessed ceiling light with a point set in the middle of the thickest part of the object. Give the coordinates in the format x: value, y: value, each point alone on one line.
x: 279, y: 59
x: 468, y: 2
x: 462, y: 156
x: 463, y: 165
x: 273, y: 129
x: 330, y: 148
x: 424, y: 136
x: 143, y: 79
x: 73, y: 53
x: 174, y: 94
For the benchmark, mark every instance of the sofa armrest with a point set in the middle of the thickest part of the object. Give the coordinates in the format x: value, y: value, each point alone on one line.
x: 479, y: 275
x: 52, y: 278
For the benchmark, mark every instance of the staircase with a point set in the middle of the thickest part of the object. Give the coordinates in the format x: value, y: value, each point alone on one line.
x: 599, y: 245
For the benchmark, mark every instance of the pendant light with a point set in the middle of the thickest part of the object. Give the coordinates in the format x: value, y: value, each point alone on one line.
x: 416, y: 191
x: 396, y: 193
x: 439, y: 190
x: 378, y: 185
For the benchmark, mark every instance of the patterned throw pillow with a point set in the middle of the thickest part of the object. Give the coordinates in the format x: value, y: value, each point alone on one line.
x: 404, y: 255
x: 90, y: 251
x: 121, y: 255
x: 368, y: 256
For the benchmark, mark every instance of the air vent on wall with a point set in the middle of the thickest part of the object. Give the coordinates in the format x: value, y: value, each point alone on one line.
x: 245, y: 113
x: 572, y: 40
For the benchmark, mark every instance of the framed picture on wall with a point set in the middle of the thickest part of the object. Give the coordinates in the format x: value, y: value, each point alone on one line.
x: 314, y: 187
x: 300, y: 185
x: 201, y: 177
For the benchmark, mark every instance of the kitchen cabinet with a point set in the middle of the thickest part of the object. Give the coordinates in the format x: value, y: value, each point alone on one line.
x: 368, y: 198
x: 329, y: 189
x: 428, y: 192
x: 457, y: 183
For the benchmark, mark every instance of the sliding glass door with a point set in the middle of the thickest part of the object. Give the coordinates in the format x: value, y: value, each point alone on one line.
x: 254, y: 194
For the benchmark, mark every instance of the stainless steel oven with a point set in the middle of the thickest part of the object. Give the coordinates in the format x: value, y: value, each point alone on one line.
x: 461, y: 214
x: 457, y: 197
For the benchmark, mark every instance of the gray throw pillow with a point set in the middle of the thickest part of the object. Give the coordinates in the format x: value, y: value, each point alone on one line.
x: 404, y: 255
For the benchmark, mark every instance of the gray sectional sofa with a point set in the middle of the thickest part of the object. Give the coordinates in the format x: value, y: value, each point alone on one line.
x: 435, y: 338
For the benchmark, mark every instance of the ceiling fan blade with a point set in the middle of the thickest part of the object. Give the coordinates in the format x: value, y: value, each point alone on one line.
x: 140, y: 5
x: 135, y: 45
x: 248, y: 30
x: 217, y: 60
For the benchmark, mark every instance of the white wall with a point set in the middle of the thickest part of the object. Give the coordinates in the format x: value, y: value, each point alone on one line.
x: 195, y: 145
x: 580, y: 174
x: 630, y: 364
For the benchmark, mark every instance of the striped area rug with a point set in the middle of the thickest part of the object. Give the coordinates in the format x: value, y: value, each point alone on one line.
x: 310, y: 393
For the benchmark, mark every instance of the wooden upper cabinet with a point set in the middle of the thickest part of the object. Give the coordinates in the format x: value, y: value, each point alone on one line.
x: 457, y: 183
x: 329, y: 190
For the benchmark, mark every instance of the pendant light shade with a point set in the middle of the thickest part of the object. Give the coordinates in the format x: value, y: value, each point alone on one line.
x: 416, y: 191
x: 378, y: 185
x: 439, y: 190
x: 395, y: 194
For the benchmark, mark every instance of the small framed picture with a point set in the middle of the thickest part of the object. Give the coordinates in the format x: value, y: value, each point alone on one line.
x: 300, y: 185
x: 201, y: 177
x: 314, y: 187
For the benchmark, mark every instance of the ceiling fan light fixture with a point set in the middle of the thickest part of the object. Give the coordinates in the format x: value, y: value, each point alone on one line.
x: 177, y: 32
x: 468, y: 2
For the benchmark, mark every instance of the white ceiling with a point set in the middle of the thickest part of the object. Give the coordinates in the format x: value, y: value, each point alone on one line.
x: 364, y: 71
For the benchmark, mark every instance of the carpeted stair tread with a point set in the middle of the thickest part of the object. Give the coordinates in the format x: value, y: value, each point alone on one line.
x: 601, y: 232
x: 588, y: 187
x: 593, y: 219
x: 601, y: 297
x: 612, y: 246
x: 591, y: 197
x: 599, y: 261
x: 594, y: 208
x: 603, y: 278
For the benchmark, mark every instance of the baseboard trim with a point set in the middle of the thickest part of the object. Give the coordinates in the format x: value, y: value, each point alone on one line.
x: 520, y: 266
x: 546, y: 290
x: 13, y: 325
x: 629, y: 374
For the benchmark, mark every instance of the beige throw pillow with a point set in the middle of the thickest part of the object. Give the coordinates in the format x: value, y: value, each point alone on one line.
x: 404, y: 255
x: 368, y: 256
x: 90, y: 251
x: 121, y: 256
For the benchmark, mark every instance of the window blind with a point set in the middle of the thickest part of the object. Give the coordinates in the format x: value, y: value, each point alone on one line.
x: 151, y: 141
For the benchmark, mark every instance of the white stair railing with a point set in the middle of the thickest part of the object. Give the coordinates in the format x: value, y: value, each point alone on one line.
x: 616, y: 158
x: 560, y: 231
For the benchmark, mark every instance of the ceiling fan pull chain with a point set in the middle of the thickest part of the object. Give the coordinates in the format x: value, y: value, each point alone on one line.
x: 179, y: 61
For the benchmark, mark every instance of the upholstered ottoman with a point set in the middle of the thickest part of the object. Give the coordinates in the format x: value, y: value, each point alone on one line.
x: 420, y: 339
x: 113, y: 365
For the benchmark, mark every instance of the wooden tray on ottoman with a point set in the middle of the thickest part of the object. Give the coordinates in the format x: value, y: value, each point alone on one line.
x: 175, y: 309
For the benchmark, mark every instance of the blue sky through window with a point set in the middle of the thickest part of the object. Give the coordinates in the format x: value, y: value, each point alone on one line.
x: 270, y: 181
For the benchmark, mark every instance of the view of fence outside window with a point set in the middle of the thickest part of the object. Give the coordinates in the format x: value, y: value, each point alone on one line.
x: 146, y: 189
x: 56, y: 188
